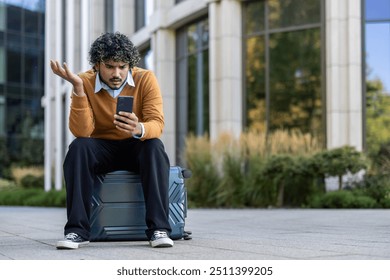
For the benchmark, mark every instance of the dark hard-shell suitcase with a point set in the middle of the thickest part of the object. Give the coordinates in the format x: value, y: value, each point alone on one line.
x: 118, y: 207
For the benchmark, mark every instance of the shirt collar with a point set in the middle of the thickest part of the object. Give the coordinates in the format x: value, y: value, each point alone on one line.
x: 113, y: 92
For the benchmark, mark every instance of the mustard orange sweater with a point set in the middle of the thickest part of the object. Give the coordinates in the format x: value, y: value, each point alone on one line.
x: 93, y: 115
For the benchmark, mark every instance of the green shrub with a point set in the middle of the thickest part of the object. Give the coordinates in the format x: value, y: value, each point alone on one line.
x: 31, y: 181
x: 256, y: 170
x: 32, y: 197
x: 376, y: 187
x: 279, y: 169
x: 229, y: 190
x: 4, y: 158
x: 16, y: 196
x: 202, y: 186
x: 340, y: 161
x: 258, y: 191
x: 343, y: 199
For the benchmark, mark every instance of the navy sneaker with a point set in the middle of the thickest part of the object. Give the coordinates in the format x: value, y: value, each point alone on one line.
x: 72, y: 241
x: 160, y: 239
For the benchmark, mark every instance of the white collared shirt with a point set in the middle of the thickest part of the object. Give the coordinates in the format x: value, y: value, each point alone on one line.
x: 99, y: 84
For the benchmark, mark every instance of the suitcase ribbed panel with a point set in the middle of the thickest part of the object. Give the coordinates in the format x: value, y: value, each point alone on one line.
x: 118, y: 207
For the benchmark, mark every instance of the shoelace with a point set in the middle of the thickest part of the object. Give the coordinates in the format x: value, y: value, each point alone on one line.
x: 160, y: 234
x: 71, y: 236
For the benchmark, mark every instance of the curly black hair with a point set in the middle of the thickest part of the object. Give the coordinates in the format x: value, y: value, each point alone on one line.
x: 113, y: 46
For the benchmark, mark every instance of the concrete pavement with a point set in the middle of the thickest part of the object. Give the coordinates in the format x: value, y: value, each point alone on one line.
x: 30, y: 233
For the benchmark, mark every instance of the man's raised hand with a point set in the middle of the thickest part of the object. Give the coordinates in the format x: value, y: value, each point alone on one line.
x: 64, y: 72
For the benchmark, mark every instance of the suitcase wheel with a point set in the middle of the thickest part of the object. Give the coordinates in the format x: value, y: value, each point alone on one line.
x: 187, y: 235
x: 186, y: 173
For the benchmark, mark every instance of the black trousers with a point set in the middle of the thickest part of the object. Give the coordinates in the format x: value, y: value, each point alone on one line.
x: 88, y: 158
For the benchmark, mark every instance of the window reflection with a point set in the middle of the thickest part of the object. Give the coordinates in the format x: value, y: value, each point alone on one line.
x: 377, y: 9
x: 143, y: 11
x: 2, y: 65
x: 377, y: 42
x: 31, y: 22
x: 14, y: 63
x: 2, y: 16
x: 198, y: 109
x: 295, y: 81
x: 14, y: 18
x: 378, y: 53
x: 254, y: 17
x: 21, y: 79
x: 192, y: 99
x: 31, y: 73
x: 255, y: 84
x: 146, y: 59
x: 2, y: 116
x: 287, y: 13
x: 283, y: 66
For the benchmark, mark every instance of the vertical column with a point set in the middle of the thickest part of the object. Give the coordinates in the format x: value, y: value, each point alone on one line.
x: 163, y: 52
x: 355, y: 65
x: 163, y: 46
x: 115, y: 8
x: 225, y: 67
x: 48, y: 94
x: 125, y: 14
x: 84, y: 34
x: 343, y: 74
x: 58, y: 94
x: 70, y: 59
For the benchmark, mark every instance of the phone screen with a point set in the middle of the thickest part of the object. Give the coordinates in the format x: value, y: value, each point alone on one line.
x: 124, y: 104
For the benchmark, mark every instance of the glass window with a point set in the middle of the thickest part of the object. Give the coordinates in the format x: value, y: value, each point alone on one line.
x: 377, y: 9
x: 146, y: 59
x: 2, y: 115
x: 14, y: 64
x: 21, y: 78
x: 2, y: 16
x: 283, y: 66
x: 139, y: 14
x: 31, y: 22
x: 192, y: 81
x: 295, y: 81
x: 31, y: 67
x: 255, y: 84
x: 14, y: 18
x: 254, y: 18
x: 198, y: 120
x: 143, y: 11
x: 378, y: 53
x: 377, y: 63
x: 34, y: 115
x: 13, y: 127
x: 2, y: 65
x: 288, y: 13
x: 13, y: 114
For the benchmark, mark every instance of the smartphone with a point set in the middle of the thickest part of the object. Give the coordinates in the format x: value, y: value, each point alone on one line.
x: 124, y: 104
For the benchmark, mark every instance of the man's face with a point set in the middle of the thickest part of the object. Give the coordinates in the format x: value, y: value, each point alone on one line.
x: 112, y: 73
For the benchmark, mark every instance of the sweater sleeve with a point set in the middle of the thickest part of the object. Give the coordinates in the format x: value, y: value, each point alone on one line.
x: 81, y: 120
x: 152, y: 107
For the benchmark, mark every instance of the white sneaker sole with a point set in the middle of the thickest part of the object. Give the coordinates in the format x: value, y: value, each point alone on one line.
x: 64, y: 244
x: 162, y: 242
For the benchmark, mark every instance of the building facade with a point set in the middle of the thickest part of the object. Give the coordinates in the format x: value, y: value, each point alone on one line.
x: 22, y: 31
x: 232, y: 66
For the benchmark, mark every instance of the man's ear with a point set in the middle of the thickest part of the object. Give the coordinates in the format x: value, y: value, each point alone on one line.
x: 96, y: 67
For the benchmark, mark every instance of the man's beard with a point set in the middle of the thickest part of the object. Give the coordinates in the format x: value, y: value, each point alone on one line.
x: 112, y: 80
